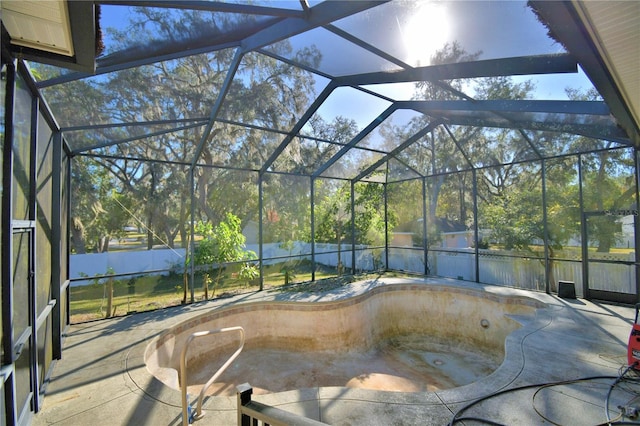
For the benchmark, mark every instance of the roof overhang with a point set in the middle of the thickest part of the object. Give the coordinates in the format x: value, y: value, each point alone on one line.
x: 61, y: 33
x: 603, y: 36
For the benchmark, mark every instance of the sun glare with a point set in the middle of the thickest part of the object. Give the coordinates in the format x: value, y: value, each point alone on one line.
x: 426, y: 31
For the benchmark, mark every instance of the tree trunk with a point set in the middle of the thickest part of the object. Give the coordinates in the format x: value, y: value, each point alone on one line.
x: 170, y: 236
x: 553, y: 284
x: 77, y: 236
x: 151, y: 207
x: 184, y: 232
x: 109, y: 285
x: 433, y: 201
x: 185, y: 285
x: 103, y: 244
x: 604, y: 244
x: 339, y: 238
x: 186, y: 273
x: 203, y: 186
x: 461, y: 199
x: 149, y: 234
x: 205, y: 285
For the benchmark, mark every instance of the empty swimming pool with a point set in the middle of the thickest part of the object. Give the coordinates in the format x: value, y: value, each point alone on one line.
x: 400, y: 337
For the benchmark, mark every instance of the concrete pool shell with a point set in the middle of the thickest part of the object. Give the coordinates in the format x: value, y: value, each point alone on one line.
x: 401, y: 336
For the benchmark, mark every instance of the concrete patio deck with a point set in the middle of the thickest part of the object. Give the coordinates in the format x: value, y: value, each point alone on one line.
x: 102, y: 378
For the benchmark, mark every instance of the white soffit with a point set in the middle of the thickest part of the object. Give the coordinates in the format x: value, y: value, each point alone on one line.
x: 39, y: 24
x: 615, y: 29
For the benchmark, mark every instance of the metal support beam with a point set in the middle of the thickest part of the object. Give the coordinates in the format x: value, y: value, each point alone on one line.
x: 386, y: 226
x: 476, y: 228
x: 209, y: 6
x: 251, y: 37
x: 122, y: 62
x: 425, y: 240
x: 531, y: 144
x: 319, y: 15
x: 56, y: 252
x: 457, y: 144
x: 136, y: 138
x: 353, y: 142
x: 397, y: 150
x: 601, y: 128
x: 312, y: 199
x: 545, y: 230
x: 550, y: 115
x: 67, y: 200
x: 363, y: 44
x: 192, y: 244
x: 7, y: 251
x: 233, y: 67
x: 34, y: 279
x: 133, y: 124
x: 353, y: 228
x: 298, y: 126
x: 636, y: 222
x: 261, y: 228
x: 511, y: 106
x: 583, y: 232
x: 525, y: 65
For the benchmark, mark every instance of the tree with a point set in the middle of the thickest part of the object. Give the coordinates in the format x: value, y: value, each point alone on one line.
x: 287, y: 198
x: 334, y: 217
x: 99, y: 212
x: 607, y: 185
x: 221, y: 244
x: 437, y: 154
x: 514, y: 215
x: 608, y: 182
x: 370, y: 223
x: 154, y: 171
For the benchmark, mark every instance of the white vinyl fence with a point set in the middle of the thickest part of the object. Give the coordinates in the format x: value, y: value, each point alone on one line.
x: 494, y: 269
x: 123, y: 262
x: 518, y: 272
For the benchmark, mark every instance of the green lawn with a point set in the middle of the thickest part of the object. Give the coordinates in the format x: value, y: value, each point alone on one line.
x: 151, y: 292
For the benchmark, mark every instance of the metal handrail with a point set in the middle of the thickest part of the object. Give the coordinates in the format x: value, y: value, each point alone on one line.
x: 183, y: 370
x: 253, y: 413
